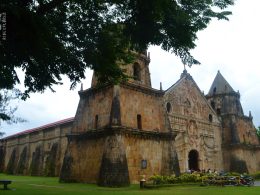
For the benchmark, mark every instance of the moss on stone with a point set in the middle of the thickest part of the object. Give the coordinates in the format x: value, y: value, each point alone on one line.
x: 37, y: 161
x: 22, y: 164
x: 237, y: 165
x: 50, y: 163
x: 65, y: 174
x: 11, y: 164
x: 2, y: 158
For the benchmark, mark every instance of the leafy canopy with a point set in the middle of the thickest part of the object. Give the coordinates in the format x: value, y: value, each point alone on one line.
x: 50, y: 38
x: 7, y: 108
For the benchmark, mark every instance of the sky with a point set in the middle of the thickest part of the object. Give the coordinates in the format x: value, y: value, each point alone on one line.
x: 232, y: 47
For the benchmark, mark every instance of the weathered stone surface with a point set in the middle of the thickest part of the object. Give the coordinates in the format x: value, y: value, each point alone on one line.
x: 94, y: 104
x: 114, y: 168
x: 2, y: 157
x: 26, y: 145
x: 36, y: 166
x: 237, y: 165
x: 50, y: 162
x: 115, y: 114
x: 65, y: 175
x: 11, y: 166
x: 23, y: 162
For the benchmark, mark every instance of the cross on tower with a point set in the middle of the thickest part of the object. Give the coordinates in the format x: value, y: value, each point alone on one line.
x: 184, y: 65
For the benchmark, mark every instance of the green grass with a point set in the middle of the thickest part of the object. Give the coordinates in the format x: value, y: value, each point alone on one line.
x: 27, y: 185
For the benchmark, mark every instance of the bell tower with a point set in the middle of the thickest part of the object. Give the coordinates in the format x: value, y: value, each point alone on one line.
x: 138, y: 71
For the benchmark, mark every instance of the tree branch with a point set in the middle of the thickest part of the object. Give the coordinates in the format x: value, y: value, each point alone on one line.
x: 44, y: 8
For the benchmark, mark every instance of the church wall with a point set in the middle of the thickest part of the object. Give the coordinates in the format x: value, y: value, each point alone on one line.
x: 147, y: 151
x: 226, y: 103
x: 37, y: 153
x: 93, y: 110
x: 87, y: 155
x: 196, y: 124
x: 149, y: 106
x: 238, y: 129
x: 247, y: 131
x: 2, y: 155
x: 241, y: 158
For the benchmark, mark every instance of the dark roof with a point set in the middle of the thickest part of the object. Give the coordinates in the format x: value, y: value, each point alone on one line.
x: 57, y: 123
x: 220, y: 86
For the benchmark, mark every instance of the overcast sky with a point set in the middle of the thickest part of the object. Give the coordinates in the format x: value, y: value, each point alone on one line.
x: 230, y: 47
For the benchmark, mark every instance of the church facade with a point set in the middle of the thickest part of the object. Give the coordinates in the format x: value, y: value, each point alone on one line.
x: 124, y: 132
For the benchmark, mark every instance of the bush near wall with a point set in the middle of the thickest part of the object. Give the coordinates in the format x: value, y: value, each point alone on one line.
x: 183, y: 178
x: 190, y: 178
x: 256, y: 175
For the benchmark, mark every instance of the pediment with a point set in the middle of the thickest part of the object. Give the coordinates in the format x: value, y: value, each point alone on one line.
x: 186, y: 99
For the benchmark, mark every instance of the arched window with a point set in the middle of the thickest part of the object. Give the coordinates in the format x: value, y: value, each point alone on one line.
x: 212, y: 104
x: 137, y: 72
x: 210, y: 118
x: 218, y: 111
x: 214, y: 90
x: 96, y: 122
x: 168, y: 107
x: 139, y: 121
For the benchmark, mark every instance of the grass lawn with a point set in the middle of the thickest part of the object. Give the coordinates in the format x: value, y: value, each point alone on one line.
x: 27, y: 185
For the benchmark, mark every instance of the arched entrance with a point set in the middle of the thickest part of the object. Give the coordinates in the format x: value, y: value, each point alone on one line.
x: 193, y: 160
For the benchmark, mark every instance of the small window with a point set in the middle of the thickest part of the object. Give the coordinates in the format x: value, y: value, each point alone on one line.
x: 212, y: 104
x: 96, y: 121
x: 214, y: 90
x: 139, y: 121
x: 137, y: 72
x: 168, y: 107
x: 210, y: 118
x: 143, y: 164
x: 218, y: 111
x: 187, y: 102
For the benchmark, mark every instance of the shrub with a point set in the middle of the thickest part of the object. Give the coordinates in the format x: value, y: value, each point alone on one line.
x: 186, y: 178
x: 172, y: 179
x: 157, y: 179
x: 256, y: 175
x: 233, y: 174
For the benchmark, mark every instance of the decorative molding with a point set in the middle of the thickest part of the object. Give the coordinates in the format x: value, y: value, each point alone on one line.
x: 129, y: 132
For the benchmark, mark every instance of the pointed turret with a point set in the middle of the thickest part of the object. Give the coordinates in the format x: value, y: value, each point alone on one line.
x: 223, y: 98
x: 220, y: 86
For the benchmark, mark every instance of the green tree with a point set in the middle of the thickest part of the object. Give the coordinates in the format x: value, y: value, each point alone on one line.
x: 7, y: 110
x: 50, y: 38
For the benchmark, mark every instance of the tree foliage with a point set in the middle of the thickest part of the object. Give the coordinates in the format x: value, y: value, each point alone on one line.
x: 50, y: 38
x: 6, y: 106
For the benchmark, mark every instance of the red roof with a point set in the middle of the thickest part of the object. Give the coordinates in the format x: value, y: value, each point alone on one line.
x: 61, y: 122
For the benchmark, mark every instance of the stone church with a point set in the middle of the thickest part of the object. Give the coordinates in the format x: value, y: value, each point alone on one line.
x: 124, y: 132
